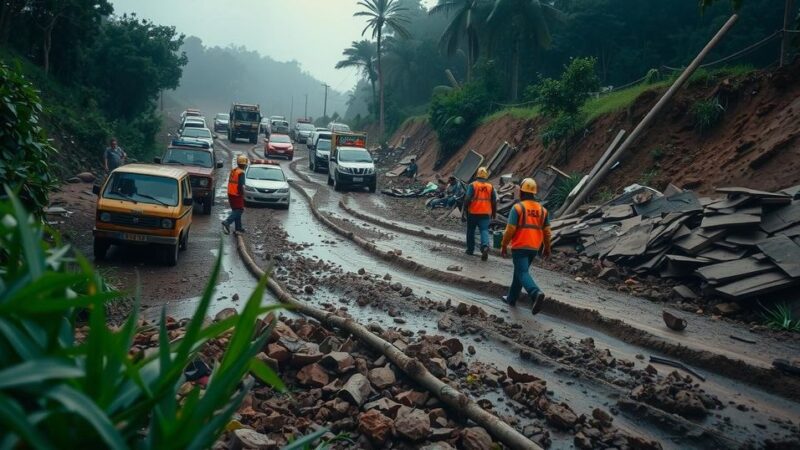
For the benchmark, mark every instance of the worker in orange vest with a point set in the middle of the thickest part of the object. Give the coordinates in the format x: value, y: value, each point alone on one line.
x: 236, y: 196
x: 480, y: 205
x: 528, y: 233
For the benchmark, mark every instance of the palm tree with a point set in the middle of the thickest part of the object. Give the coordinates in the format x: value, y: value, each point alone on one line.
x: 524, y: 20
x: 383, y: 14
x: 470, y: 14
x: 361, y: 55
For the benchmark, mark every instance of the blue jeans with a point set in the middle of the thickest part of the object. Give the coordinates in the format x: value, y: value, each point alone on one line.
x: 481, y: 222
x: 522, y: 276
x: 236, y: 218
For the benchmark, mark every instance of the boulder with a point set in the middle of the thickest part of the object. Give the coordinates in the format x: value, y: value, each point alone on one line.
x: 412, y: 424
x: 339, y: 362
x: 86, y: 177
x: 476, y: 438
x: 375, y: 426
x: 224, y: 314
x: 313, y: 375
x: 382, y: 377
x: 247, y: 439
x: 560, y: 416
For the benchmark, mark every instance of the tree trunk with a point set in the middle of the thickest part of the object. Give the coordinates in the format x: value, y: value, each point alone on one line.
x: 380, y: 89
x: 374, y: 96
x: 47, y: 43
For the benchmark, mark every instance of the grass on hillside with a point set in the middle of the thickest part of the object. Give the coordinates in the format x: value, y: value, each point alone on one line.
x: 513, y: 112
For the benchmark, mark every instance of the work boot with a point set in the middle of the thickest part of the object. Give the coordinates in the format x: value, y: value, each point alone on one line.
x: 484, y: 253
x: 505, y: 300
x: 469, y: 253
x: 242, y: 231
x: 226, y: 228
x: 538, y: 303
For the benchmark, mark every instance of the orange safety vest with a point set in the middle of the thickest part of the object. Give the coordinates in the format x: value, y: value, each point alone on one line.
x: 233, y: 182
x: 481, y: 203
x: 529, y: 234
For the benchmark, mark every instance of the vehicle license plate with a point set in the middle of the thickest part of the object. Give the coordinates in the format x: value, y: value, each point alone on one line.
x: 358, y: 179
x: 135, y: 237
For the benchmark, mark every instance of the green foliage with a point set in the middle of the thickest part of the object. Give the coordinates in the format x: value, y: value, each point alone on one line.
x: 513, y: 112
x: 706, y: 114
x: 657, y: 153
x: 561, y: 128
x: 780, y: 318
x: 617, y: 100
x: 59, y: 392
x: 455, y: 114
x: 652, y: 76
x: 26, y: 156
x: 570, y: 92
x: 559, y: 194
x: 649, y: 177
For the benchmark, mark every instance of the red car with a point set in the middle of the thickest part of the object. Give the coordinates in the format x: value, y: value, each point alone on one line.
x: 279, y: 145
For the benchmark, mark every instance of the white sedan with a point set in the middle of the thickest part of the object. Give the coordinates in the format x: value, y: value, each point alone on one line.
x: 265, y: 183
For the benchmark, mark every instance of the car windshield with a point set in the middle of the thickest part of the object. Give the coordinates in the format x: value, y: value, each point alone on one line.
x: 354, y: 155
x: 194, y: 124
x: 142, y: 188
x: 305, y: 127
x: 340, y: 127
x: 188, y: 157
x: 222, y: 116
x: 197, y: 133
x: 280, y: 139
x: 265, y: 173
x: 324, y: 145
x: 247, y: 116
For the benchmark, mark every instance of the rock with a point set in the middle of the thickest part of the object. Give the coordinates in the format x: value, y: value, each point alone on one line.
x: 308, y: 353
x: 689, y: 405
x: 308, y: 289
x: 602, y: 416
x: 270, y: 362
x: 387, y: 277
x: 471, y: 350
x: 375, y: 426
x: 235, y: 297
x: 609, y: 274
x: 673, y: 322
x: 413, y: 424
x: 278, y: 352
x: 726, y: 309
x: 438, y: 445
x: 224, y: 314
x: 356, y: 390
x: 86, y: 177
x: 476, y: 438
x: 412, y: 398
x: 445, y: 323
x: 313, y: 375
x: 396, y: 287
x: 462, y: 309
x: 247, y: 439
x: 455, y: 268
x: 339, y: 362
x: 382, y: 377
x: 362, y: 271
x: 384, y: 405
x: 456, y: 361
x: 520, y: 377
x: 560, y: 416
x: 582, y: 441
x: 73, y: 180
x: 437, y: 367
x: 406, y: 291
x: 453, y: 345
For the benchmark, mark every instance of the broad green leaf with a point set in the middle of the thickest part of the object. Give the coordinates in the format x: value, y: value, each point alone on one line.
x: 78, y: 403
x: 12, y: 418
x: 306, y: 440
x: 37, y: 370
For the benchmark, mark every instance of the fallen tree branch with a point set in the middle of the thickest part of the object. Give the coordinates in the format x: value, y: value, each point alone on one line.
x: 413, y: 368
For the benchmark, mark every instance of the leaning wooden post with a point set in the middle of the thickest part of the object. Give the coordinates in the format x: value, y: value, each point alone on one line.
x: 601, y: 174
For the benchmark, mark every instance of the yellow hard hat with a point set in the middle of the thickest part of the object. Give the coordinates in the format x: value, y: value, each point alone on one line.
x: 241, y: 160
x: 529, y: 185
x: 482, y: 172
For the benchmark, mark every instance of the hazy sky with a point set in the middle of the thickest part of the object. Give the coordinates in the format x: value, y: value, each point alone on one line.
x: 313, y: 32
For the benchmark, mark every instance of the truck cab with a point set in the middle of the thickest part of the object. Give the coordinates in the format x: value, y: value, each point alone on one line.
x: 350, y: 164
x: 244, y: 121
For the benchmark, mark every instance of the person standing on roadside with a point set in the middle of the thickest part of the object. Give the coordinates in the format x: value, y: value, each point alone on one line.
x: 528, y: 233
x: 114, y: 156
x: 480, y: 206
x: 236, y: 196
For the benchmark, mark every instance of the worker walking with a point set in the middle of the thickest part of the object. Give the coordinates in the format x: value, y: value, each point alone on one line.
x: 528, y: 232
x: 236, y: 196
x: 480, y: 206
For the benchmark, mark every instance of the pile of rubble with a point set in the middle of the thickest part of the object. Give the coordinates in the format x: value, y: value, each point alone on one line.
x: 740, y: 246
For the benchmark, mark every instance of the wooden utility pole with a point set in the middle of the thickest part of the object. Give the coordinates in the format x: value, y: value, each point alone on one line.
x: 601, y: 174
x: 786, y: 35
x: 325, y: 105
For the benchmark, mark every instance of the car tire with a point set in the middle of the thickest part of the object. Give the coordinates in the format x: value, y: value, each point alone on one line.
x: 100, y: 248
x: 336, y: 185
x: 171, y: 254
x: 207, y: 203
x: 311, y: 164
x: 330, y: 180
x: 185, y: 241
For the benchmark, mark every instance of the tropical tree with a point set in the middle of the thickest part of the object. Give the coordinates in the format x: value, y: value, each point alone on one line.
x: 382, y: 14
x: 522, y: 21
x: 465, y: 25
x: 361, y: 55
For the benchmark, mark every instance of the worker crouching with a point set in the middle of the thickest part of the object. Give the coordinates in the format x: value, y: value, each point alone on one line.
x: 528, y: 233
x: 480, y: 206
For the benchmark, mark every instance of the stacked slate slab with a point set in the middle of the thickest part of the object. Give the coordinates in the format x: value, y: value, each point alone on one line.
x: 741, y: 245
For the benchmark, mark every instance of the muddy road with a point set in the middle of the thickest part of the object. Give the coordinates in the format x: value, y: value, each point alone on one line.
x: 584, y: 361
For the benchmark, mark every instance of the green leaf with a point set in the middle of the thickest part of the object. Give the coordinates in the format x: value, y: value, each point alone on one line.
x: 306, y: 440
x: 83, y: 406
x: 266, y: 374
x: 37, y: 370
x: 25, y: 347
x: 13, y: 418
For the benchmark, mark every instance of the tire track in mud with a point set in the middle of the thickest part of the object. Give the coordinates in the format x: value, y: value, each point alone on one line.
x: 771, y: 380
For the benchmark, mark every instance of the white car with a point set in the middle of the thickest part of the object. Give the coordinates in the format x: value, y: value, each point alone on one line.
x: 265, y: 183
x: 350, y: 167
x: 202, y: 134
x: 336, y: 126
x: 194, y: 122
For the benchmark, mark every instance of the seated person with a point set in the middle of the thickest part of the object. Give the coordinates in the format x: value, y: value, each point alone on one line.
x: 453, y: 193
x: 411, y: 170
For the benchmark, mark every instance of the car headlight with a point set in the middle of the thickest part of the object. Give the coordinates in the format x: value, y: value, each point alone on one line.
x: 344, y: 169
x: 203, y: 182
x: 282, y: 191
x: 249, y: 188
x: 166, y: 223
x: 369, y: 171
x: 105, y: 217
